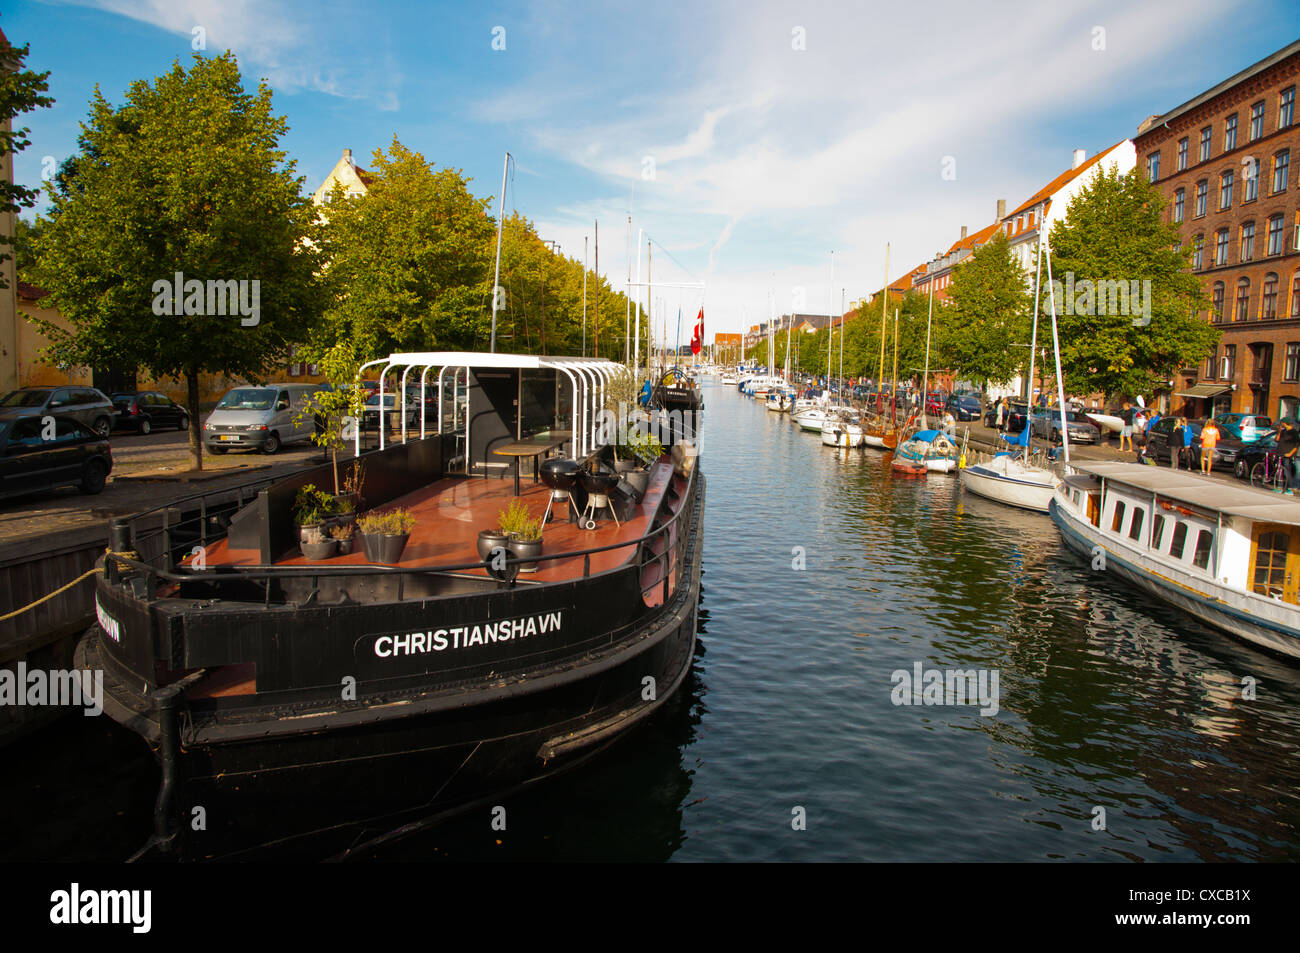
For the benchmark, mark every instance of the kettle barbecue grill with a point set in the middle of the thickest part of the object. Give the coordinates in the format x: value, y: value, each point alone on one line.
x: 561, y: 475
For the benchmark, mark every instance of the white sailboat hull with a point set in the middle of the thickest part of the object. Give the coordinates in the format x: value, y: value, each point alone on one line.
x: 1008, y: 481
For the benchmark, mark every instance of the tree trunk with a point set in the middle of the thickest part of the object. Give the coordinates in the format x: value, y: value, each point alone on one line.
x: 196, y: 423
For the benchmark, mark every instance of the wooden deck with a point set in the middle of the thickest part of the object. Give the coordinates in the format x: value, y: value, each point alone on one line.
x: 450, y: 513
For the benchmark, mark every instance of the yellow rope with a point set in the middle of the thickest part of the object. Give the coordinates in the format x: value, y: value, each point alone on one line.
x: 46, y: 598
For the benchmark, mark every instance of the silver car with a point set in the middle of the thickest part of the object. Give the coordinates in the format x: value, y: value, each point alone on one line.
x: 1046, y: 423
x: 260, y: 418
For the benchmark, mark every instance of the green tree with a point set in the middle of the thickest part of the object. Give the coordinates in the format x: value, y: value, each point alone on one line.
x: 1114, y: 232
x: 21, y: 91
x: 185, y: 177
x: 410, y: 260
x: 990, y: 315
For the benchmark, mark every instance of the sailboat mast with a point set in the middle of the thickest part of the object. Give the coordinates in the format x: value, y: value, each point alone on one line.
x: 893, y: 404
x: 925, y: 381
x: 584, y: 295
x: 595, y: 347
x: 1033, y: 340
x: 884, y: 303
x: 496, y: 276
x: 1056, y: 348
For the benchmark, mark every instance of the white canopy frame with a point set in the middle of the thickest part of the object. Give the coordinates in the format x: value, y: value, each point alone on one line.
x: 589, y: 378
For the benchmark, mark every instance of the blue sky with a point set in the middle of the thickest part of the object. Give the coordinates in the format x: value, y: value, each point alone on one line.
x: 766, y: 156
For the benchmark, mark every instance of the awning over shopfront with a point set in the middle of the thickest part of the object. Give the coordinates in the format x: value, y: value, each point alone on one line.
x: 1204, y: 390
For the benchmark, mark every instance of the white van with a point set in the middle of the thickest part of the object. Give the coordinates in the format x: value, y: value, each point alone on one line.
x: 259, y: 417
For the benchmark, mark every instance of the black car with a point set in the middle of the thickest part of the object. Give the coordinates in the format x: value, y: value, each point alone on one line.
x: 45, y: 451
x: 1229, y: 452
x: 148, y: 410
x: 1253, y: 453
x: 83, y: 404
x: 1013, y: 422
x: 964, y: 407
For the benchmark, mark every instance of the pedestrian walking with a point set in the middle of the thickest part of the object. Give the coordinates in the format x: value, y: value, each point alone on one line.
x: 1126, y: 430
x: 1002, y: 409
x: 1209, y: 438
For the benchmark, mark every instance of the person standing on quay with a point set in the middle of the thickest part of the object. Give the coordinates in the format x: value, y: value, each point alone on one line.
x: 1002, y: 406
x: 1288, y: 442
x: 1209, y: 438
x: 1126, y: 431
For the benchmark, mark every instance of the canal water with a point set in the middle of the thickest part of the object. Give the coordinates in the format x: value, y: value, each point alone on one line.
x: 1120, y: 731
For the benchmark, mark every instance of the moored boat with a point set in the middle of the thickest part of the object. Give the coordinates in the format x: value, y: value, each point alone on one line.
x: 1008, y: 479
x: 252, y: 670
x: 1226, y: 554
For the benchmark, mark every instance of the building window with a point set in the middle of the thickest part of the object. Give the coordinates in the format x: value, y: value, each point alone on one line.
x: 1182, y: 154
x: 1243, y: 300
x: 1250, y: 187
x: 1229, y: 361
x: 1248, y: 241
x: 1206, y: 133
x: 1230, y: 133
x: 1153, y: 166
x: 1178, y: 204
x: 1031, y: 219
x: 1217, y: 305
x: 1275, y: 235
x: 1225, y: 190
x: 1281, y: 166
x: 1256, y: 121
x: 1221, y: 247
x: 1268, y: 297
x: 1286, y: 107
x: 1291, y: 372
x: 1202, y: 190
x: 1198, y: 253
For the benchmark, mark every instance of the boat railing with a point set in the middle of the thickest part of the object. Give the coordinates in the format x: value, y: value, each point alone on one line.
x: 128, y: 554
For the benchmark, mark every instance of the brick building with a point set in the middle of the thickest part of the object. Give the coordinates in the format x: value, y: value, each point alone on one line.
x: 1223, y: 160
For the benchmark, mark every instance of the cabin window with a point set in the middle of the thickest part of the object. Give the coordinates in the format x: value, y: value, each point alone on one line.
x: 1203, y: 542
x: 1158, y: 532
x: 1117, y: 521
x: 1135, y: 531
x: 1270, y: 563
x: 1179, y: 540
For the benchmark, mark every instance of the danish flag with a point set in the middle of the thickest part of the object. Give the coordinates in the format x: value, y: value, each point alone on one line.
x: 697, y: 339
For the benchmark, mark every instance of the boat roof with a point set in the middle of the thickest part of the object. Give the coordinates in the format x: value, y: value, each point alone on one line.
x: 487, y: 359
x: 1207, y: 493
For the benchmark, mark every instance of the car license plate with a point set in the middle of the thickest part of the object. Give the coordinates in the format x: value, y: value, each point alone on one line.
x: 228, y: 437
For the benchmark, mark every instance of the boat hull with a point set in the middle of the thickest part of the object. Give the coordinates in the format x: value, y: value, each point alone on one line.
x: 1220, y: 607
x: 1027, y: 495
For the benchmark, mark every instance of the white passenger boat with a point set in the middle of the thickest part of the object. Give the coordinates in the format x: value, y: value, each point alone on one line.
x: 1227, y: 554
x: 1008, y: 479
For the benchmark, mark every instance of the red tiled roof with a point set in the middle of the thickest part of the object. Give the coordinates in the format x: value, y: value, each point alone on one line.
x: 1062, y: 180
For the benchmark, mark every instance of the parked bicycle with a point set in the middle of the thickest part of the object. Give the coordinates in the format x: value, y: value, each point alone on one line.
x: 1269, y: 473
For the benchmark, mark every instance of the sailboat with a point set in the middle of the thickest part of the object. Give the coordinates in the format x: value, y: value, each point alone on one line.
x: 1009, y: 477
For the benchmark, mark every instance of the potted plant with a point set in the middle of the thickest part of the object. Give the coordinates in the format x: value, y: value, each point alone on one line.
x: 491, y: 539
x: 311, y: 508
x: 524, y: 534
x: 384, y: 534
x: 315, y: 544
x: 342, y: 534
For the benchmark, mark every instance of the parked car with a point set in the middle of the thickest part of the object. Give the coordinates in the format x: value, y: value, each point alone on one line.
x: 935, y: 402
x: 1013, y: 422
x: 260, y: 418
x: 964, y: 407
x: 392, y: 413
x: 1245, y: 427
x: 41, y: 451
x: 145, y: 411
x: 1046, y: 423
x: 86, y: 405
x: 1230, y: 453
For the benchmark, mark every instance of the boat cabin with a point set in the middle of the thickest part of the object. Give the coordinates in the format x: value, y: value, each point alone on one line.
x: 1242, y: 538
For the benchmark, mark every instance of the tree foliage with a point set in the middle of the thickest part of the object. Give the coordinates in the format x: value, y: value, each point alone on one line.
x: 1114, y: 231
x: 21, y: 91
x: 184, y: 177
x: 990, y: 315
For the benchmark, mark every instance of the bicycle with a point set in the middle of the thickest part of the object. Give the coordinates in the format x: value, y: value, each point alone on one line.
x: 1269, y: 473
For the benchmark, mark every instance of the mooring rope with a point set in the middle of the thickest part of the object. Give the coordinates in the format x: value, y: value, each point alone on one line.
x: 129, y: 554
